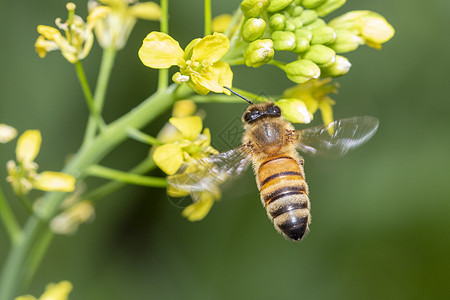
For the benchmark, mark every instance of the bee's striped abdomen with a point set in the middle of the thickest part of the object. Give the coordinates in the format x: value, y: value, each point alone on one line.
x: 284, y: 194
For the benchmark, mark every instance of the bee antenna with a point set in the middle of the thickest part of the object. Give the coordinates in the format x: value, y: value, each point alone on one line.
x: 237, y: 94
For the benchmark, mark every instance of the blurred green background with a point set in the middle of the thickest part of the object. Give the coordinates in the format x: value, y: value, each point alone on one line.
x: 381, y: 215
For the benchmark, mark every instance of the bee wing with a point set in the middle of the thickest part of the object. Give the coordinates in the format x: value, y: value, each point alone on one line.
x: 346, y: 134
x: 210, y: 172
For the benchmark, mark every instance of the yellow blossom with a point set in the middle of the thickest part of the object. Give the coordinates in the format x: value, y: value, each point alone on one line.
x: 23, y: 174
x: 371, y: 27
x: 59, y: 291
x: 200, y: 65
x: 201, y: 206
x: 69, y: 220
x: 7, y: 133
x: 294, y: 110
x: 221, y: 23
x: 191, y: 143
x: 314, y: 94
x: 78, y: 39
x: 114, y: 30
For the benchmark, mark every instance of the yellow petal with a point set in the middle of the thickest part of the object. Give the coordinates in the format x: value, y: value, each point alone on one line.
x: 376, y: 29
x: 160, y: 51
x: 196, y: 86
x: 146, y: 10
x: 7, y: 133
x: 198, y: 210
x: 28, y: 146
x: 173, y: 192
x: 190, y: 127
x: 26, y: 297
x: 223, y: 70
x: 211, y: 48
x: 69, y: 220
x: 294, y: 110
x: 54, y: 181
x: 182, y: 108
x: 58, y: 291
x: 221, y: 23
x: 190, y: 48
x: 168, y: 158
x: 98, y: 13
x: 49, y: 33
x: 327, y: 112
x: 43, y: 46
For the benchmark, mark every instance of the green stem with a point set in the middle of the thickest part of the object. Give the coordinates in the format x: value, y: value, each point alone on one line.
x: 106, y: 65
x: 116, y: 175
x: 88, y: 95
x: 163, y: 74
x: 219, y: 98
x: 207, y: 17
x: 142, y: 137
x: 9, y: 220
x: 108, y: 188
x: 36, y: 255
x: 27, y: 203
x: 16, y: 265
x: 277, y: 63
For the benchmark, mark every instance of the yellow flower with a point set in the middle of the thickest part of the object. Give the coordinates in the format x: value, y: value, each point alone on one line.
x: 371, y: 27
x: 78, y: 38
x: 203, y: 202
x: 23, y: 175
x: 221, y: 23
x: 69, y: 220
x: 200, y: 65
x: 188, y: 142
x: 7, y: 133
x: 114, y: 30
x: 294, y: 110
x: 59, y: 291
x: 314, y: 94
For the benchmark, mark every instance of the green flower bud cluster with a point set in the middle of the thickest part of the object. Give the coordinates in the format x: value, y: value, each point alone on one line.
x: 260, y: 51
x: 297, y: 26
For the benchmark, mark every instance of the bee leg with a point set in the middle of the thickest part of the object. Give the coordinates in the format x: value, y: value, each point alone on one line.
x: 291, y: 135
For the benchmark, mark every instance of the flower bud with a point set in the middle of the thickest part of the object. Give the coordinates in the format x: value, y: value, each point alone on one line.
x: 277, y: 22
x: 323, y: 35
x: 300, y: 71
x: 277, y: 5
x: 296, y: 23
x: 294, y: 110
x: 293, y: 10
x: 312, y: 3
x: 329, y: 6
x: 316, y: 24
x: 308, y: 16
x: 258, y: 53
x: 304, y: 33
x: 283, y: 40
x: 372, y: 27
x: 301, y: 44
x: 321, y: 55
x: 7, y: 133
x: 254, y: 8
x: 345, y: 41
x: 253, y: 29
x: 340, y: 67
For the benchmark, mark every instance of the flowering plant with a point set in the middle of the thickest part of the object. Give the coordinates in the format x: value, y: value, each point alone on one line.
x: 254, y: 36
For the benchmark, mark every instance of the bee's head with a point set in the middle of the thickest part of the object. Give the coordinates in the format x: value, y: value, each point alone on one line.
x: 261, y: 110
x: 257, y: 111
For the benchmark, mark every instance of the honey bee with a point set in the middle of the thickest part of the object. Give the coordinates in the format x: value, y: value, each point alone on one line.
x: 270, y: 143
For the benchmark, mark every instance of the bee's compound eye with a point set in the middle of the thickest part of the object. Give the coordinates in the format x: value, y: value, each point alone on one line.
x: 247, y: 117
x: 277, y: 110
